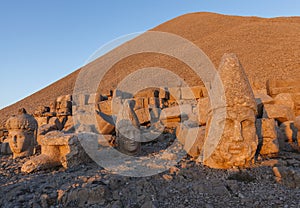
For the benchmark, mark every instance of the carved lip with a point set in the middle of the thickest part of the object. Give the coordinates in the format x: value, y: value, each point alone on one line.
x: 235, y: 149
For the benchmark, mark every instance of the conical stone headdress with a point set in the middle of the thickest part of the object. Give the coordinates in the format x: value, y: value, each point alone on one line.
x: 237, y: 88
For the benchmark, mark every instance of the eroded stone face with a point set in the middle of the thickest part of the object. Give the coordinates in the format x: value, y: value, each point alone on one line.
x: 238, y: 142
x: 21, y: 141
x: 127, y: 129
x: 22, y: 130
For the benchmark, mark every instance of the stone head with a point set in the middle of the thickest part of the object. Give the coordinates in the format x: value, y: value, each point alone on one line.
x: 127, y: 128
x: 238, y: 143
x: 22, y: 138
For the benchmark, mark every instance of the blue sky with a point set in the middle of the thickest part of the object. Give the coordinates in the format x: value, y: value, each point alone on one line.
x: 42, y: 41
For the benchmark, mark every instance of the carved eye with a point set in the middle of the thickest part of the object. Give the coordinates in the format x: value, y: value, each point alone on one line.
x: 229, y: 122
x: 247, y: 123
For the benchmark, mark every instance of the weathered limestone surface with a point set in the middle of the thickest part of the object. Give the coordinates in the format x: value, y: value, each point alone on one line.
x: 128, y: 135
x: 290, y: 86
x: 289, y: 131
x: 238, y: 143
x: 192, y: 138
x: 285, y: 99
x: 57, y: 149
x: 105, y: 107
x: 275, y: 87
x: 261, y: 100
x: 64, y: 105
x: 281, y: 113
x: 105, y: 123
x: 143, y: 115
x: 203, y: 107
x: 267, y: 137
x: 171, y: 116
x: 22, y: 130
x: 190, y: 93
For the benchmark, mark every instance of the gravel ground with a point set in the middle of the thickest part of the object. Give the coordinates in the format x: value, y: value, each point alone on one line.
x: 189, y: 184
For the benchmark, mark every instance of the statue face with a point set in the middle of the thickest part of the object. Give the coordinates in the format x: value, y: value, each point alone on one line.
x: 20, y: 141
x: 127, y: 144
x: 130, y: 145
x: 238, y: 144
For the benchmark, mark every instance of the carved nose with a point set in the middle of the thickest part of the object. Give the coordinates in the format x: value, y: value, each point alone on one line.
x: 238, y: 137
x: 14, y: 139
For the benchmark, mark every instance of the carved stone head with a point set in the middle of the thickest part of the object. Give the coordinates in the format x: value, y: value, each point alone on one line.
x: 21, y: 134
x: 239, y: 141
x: 127, y: 129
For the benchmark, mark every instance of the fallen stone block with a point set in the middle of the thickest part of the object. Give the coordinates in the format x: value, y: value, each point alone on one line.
x: 175, y: 93
x: 191, y: 93
x: 42, y: 120
x: 203, y: 107
x: 105, y: 122
x: 261, y: 100
x: 105, y: 107
x: 192, y: 139
x: 172, y: 114
x: 279, y: 112
x: 289, y: 131
x: 69, y: 125
x: 55, y: 122
x: 143, y: 115
x: 139, y: 103
x: 267, y: 136
x: 275, y: 87
x: 57, y: 149
x: 287, y: 176
x: 285, y: 99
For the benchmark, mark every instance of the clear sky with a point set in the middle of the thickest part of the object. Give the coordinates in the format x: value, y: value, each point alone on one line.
x: 42, y: 41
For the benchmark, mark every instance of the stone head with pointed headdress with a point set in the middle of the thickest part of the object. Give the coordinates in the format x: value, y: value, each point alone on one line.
x: 238, y: 143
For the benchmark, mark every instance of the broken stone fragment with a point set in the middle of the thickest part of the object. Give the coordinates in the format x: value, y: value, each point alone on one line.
x: 203, y: 107
x: 279, y: 112
x: 57, y: 149
x: 261, y: 100
x: 191, y: 93
x: 285, y: 99
x: 287, y: 176
x: 143, y: 115
x: 289, y: 131
x: 276, y: 86
x: 192, y: 138
x: 267, y: 137
x: 105, y: 123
